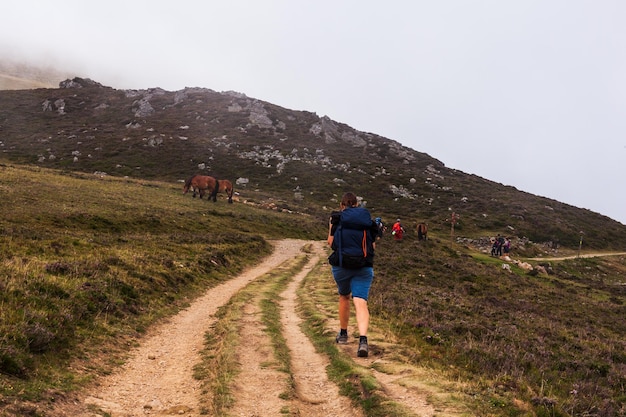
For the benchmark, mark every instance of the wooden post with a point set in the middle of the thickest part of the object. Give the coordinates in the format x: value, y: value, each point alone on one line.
x: 580, y: 244
x: 452, y: 222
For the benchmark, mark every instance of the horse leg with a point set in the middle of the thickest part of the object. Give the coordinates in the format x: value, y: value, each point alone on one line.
x: 215, y: 190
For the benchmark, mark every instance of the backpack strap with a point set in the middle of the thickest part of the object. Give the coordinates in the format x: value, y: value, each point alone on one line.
x: 364, y: 243
x: 339, y: 248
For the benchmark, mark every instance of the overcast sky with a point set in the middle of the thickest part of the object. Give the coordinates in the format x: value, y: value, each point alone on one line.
x: 528, y: 93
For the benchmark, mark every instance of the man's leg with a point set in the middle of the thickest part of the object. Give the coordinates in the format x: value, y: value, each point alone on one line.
x: 362, y: 315
x: 344, y: 311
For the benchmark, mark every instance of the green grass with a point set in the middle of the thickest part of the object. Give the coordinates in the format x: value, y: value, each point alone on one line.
x: 522, y: 344
x: 318, y: 301
x: 89, y: 263
x: 536, y: 338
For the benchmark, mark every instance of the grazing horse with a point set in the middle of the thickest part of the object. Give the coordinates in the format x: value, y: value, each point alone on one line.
x: 200, y: 184
x: 422, y: 231
x: 225, y: 186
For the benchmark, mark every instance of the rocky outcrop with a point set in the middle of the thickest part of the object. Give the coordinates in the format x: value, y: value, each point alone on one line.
x: 79, y: 83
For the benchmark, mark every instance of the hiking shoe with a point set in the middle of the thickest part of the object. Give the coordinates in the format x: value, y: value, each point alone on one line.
x: 342, y: 338
x: 363, y: 349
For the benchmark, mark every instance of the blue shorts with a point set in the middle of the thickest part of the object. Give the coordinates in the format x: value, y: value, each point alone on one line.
x: 355, y: 281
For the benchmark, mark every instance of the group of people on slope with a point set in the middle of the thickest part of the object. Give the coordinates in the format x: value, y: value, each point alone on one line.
x: 500, y: 245
x: 398, y: 231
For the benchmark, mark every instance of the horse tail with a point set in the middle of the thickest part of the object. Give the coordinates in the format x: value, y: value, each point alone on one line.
x: 230, y: 190
x: 422, y: 231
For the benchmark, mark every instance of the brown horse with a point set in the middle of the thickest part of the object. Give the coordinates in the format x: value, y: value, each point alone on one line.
x: 200, y: 184
x: 225, y: 186
x: 422, y: 231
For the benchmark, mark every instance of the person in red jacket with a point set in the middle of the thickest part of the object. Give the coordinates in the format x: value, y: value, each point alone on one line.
x: 397, y: 230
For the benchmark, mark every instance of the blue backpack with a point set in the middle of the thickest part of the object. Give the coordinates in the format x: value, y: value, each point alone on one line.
x: 353, y: 239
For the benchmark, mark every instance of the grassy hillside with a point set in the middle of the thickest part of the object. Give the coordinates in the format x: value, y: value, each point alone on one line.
x: 9, y: 82
x: 296, y: 159
x: 16, y: 75
x: 547, y: 344
x: 88, y: 263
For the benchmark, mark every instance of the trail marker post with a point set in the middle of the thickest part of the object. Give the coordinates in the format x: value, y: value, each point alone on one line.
x: 453, y: 220
x: 580, y: 244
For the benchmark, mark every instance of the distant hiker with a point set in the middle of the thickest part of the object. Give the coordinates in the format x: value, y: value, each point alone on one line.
x: 397, y: 230
x: 496, y: 245
x: 381, y: 227
x: 500, y: 244
x: 507, y: 246
x: 352, y: 235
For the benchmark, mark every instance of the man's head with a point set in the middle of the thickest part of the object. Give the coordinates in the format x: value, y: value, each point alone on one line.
x: 348, y: 200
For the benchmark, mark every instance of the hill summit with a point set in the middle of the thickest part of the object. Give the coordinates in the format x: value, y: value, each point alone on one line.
x: 297, y: 159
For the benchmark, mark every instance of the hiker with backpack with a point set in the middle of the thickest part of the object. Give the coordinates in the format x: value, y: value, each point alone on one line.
x: 506, y: 246
x: 381, y: 227
x: 352, y: 235
x: 499, y: 245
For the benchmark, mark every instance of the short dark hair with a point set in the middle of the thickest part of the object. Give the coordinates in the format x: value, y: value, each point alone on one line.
x: 349, y: 200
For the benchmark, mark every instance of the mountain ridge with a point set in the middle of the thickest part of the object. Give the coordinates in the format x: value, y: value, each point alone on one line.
x: 297, y: 157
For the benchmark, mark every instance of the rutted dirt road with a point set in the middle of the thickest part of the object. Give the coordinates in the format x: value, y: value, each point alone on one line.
x: 158, y: 377
x: 584, y: 255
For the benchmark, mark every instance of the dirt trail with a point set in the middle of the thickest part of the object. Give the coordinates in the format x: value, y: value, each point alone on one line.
x: 584, y: 255
x: 158, y: 377
x: 316, y: 395
x: 258, y: 386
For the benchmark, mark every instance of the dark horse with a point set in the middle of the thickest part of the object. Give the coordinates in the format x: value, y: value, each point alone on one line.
x: 422, y: 231
x: 200, y: 184
x: 225, y: 186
